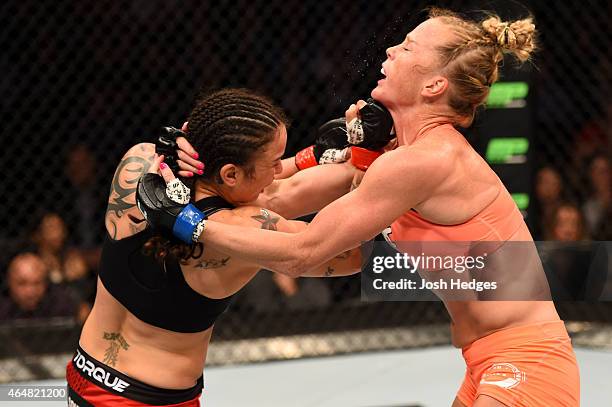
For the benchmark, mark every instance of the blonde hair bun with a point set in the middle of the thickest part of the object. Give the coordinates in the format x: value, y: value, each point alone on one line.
x: 516, y: 37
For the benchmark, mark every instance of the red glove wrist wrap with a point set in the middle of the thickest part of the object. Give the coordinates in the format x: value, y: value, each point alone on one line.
x: 305, y: 158
x: 362, y: 158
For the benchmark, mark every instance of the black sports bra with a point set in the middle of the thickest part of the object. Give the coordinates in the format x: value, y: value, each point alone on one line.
x: 158, y: 293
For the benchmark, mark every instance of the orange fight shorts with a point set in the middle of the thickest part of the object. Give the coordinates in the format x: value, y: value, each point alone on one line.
x: 532, y: 366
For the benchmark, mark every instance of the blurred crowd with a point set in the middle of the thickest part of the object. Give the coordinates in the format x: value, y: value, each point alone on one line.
x: 557, y: 216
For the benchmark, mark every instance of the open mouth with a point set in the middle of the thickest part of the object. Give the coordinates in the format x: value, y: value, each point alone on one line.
x: 383, y: 73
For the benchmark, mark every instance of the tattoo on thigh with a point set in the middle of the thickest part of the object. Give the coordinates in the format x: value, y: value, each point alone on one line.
x: 117, y: 342
x: 266, y: 219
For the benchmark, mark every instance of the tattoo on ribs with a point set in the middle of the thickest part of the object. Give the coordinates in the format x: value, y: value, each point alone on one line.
x: 267, y: 221
x: 213, y: 263
x: 117, y: 342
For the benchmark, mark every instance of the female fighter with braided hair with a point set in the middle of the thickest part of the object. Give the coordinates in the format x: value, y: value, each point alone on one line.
x: 146, y: 338
x: 435, y: 187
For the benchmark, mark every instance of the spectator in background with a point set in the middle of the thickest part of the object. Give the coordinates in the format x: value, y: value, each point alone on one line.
x: 65, y: 265
x: 29, y: 294
x: 86, y: 204
x: 567, y: 224
x: 594, y: 137
x: 597, y: 205
x: 576, y: 268
x: 548, y: 196
x: 49, y: 239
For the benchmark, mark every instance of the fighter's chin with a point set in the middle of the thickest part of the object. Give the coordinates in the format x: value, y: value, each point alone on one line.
x: 377, y: 93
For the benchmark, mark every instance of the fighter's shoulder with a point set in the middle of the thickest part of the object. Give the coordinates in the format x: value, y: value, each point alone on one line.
x: 252, y: 216
x: 122, y: 196
x: 142, y: 150
x: 433, y: 162
x: 139, y: 155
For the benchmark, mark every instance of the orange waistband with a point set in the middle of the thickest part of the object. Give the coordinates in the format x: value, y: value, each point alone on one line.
x: 515, y: 336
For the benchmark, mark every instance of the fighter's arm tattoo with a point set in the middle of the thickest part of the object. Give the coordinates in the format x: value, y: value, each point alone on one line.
x: 122, y: 195
x: 266, y: 219
x: 117, y: 342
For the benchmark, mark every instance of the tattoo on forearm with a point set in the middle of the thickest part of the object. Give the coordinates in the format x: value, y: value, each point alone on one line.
x: 117, y: 342
x: 267, y: 221
x: 213, y: 263
x: 329, y: 271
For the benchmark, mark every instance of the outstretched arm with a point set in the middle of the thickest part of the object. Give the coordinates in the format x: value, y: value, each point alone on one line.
x: 343, y: 264
x: 391, y: 186
x: 289, y: 168
x: 307, y: 191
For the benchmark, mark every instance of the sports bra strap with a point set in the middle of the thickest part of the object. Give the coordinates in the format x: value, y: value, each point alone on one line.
x: 213, y: 204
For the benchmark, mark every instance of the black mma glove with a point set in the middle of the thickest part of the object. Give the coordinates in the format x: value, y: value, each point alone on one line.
x: 167, y: 210
x: 166, y: 145
x: 369, y: 133
x: 372, y: 130
x: 331, y: 146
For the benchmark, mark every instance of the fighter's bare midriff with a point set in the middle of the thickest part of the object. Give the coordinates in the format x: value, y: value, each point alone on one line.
x: 155, y: 356
x: 476, y: 319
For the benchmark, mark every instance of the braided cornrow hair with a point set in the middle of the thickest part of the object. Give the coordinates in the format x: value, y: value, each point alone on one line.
x: 225, y: 126
x: 471, y: 61
x: 230, y: 126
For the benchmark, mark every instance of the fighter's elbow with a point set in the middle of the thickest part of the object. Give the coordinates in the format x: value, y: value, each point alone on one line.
x: 293, y: 270
x: 296, y: 267
x: 300, y: 263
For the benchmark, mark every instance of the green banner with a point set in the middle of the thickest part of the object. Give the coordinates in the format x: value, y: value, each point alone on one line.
x: 507, y: 150
x: 521, y: 200
x: 508, y: 95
